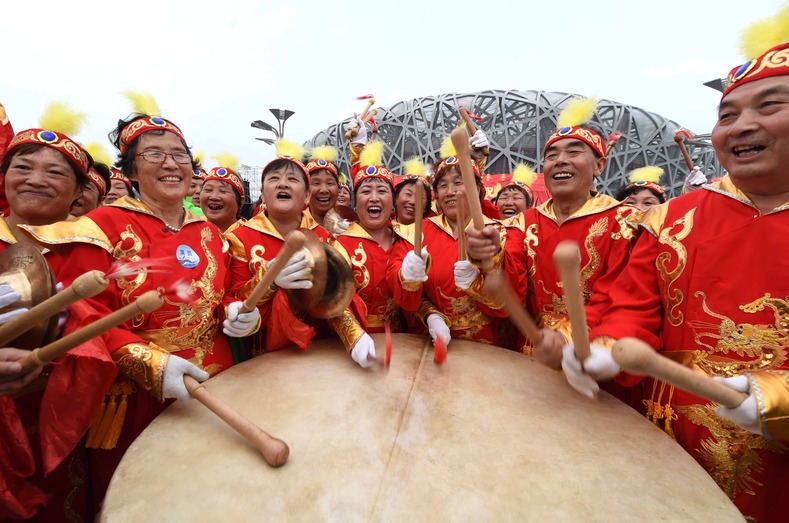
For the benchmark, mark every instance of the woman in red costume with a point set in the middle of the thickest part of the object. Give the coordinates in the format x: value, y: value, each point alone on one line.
x: 153, y: 351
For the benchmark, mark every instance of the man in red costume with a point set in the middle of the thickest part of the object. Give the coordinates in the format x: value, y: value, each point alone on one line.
x: 707, y: 285
x: 603, y: 228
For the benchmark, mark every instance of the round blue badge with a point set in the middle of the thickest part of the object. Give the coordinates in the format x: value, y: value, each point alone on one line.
x: 187, y: 257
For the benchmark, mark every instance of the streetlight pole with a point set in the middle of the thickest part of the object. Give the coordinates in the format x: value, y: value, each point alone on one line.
x: 281, y: 115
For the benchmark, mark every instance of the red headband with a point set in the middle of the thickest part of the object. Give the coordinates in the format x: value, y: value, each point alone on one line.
x: 641, y: 184
x: 117, y: 175
x: 223, y: 174
x: 54, y: 140
x: 98, y: 181
x: 373, y: 171
x: 775, y: 62
x: 315, y: 165
x: 451, y: 161
x: 142, y: 125
x: 588, y: 136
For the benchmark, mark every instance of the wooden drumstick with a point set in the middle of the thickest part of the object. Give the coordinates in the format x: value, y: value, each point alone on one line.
x: 418, y: 217
x: 496, y: 283
x: 293, y: 243
x: 85, y: 286
x: 472, y: 128
x: 636, y: 357
x: 146, y: 303
x: 567, y: 258
x: 461, y: 231
x: 680, y: 139
x: 460, y: 141
x: 274, y: 451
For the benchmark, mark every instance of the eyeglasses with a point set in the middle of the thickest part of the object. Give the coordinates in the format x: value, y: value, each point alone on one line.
x: 160, y: 156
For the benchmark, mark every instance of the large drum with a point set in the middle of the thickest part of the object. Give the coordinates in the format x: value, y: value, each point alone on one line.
x: 488, y: 436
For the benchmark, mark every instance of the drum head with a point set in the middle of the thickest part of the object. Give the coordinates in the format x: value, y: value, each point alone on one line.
x: 488, y: 436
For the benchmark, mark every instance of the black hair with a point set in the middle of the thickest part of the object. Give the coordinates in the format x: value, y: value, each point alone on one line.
x: 526, y: 195
x: 629, y: 190
x: 275, y: 164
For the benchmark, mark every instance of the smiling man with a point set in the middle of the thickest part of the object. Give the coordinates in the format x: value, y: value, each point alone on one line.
x: 707, y: 284
x: 603, y: 228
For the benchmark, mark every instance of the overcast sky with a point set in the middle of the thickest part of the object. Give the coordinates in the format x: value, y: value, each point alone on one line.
x: 216, y: 66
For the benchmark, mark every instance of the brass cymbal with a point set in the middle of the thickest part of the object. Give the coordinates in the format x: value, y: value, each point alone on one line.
x: 26, y: 270
x: 332, y: 281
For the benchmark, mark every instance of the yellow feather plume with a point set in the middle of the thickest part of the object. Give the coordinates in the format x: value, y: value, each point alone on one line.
x: 576, y: 112
x: 199, y: 157
x: 372, y: 154
x: 143, y: 103
x: 291, y: 149
x: 324, y: 152
x: 766, y: 33
x: 61, y: 118
x: 99, y: 153
x: 227, y: 160
x: 447, y: 148
x: 343, y: 179
x: 415, y: 166
x: 524, y: 174
x: 650, y: 173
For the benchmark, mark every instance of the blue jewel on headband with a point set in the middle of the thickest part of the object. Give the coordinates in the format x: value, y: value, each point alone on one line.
x: 370, y: 170
x: 47, y: 136
x: 221, y: 171
x: 564, y: 130
x: 158, y: 121
x: 451, y: 160
x: 322, y: 163
x: 743, y: 70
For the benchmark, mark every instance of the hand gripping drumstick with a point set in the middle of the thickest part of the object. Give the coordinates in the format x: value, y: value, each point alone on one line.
x: 636, y: 357
x: 85, y: 286
x: 472, y: 128
x: 146, y: 303
x: 567, y: 258
x: 293, y: 243
x: 274, y: 451
x: 418, y: 216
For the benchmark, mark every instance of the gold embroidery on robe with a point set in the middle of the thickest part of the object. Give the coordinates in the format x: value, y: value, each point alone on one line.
x: 674, y: 297
x: 126, y: 252
x: 729, y: 453
x: 359, y: 263
x: 764, y: 345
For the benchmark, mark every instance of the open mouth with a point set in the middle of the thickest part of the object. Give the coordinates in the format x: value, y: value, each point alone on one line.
x: 745, y: 151
x: 562, y: 176
x: 171, y: 179
x: 374, y: 211
x: 215, y: 206
x: 509, y: 212
x: 284, y: 196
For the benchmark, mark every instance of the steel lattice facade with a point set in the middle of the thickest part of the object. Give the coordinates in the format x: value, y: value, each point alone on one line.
x: 518, y: 123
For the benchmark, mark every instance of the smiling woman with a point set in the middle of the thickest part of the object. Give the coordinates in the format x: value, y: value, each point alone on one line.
x: 154, y: 351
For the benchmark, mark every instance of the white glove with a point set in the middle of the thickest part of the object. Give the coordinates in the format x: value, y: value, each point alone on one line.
x: 240, y: 325
x: 414, y: 267
x: 361, y: 135
x: 174, y: 386
x: 363, y: 352
x: 479, y: 140
x: 296, y: 274
x: 465, y: 274
x: 576, y: 377
x: 438, y: 328
x: 695, y: 179
x: 600, y: 365
x: 341, y: 227
x: 8, y: 296
x: 747, y: 414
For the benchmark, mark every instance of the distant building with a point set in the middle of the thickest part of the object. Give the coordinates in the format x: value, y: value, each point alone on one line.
x: 518, y: 123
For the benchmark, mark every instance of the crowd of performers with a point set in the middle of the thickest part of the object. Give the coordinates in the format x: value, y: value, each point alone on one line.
x: 699, y: 278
